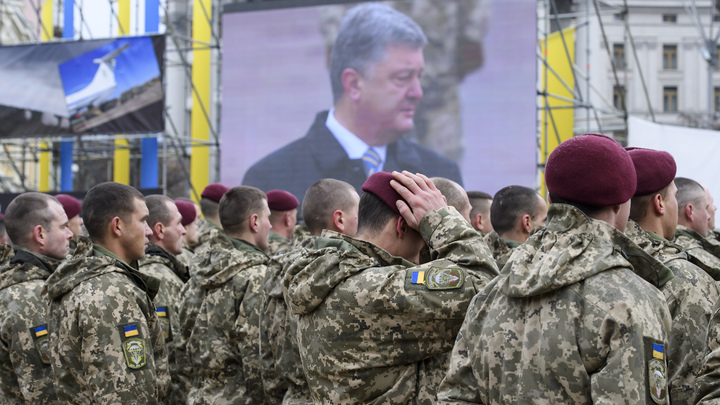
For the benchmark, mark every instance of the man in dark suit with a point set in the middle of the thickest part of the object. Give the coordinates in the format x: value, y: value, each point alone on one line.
x: 375, y: 70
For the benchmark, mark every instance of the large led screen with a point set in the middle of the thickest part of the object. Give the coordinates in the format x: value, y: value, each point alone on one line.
x: 102, y: 86
x: 472, y: 118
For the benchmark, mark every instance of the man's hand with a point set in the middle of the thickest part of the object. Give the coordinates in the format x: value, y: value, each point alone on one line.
x: 420, y: 194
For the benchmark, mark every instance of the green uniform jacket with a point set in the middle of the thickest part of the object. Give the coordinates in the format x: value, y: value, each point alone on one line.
x: 25, y: 372
x: 106, y: 343
x: 368, y: 320
x: 160, y: 264
x: 501, y: 248
x: 223, y: 346
x: 277, y: 244
x: 566, y: 322
x: 702, y: 253
x: 282, y: 372
x: 690, y: 296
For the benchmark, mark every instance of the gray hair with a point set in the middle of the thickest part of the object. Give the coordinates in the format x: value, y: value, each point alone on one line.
x: 365, y: 33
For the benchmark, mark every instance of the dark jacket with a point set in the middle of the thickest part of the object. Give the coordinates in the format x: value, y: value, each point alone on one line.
x: 318, y: 155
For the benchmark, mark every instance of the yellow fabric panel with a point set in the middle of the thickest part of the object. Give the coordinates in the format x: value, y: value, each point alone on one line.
x: 121, y: 164
x: 201, y: 71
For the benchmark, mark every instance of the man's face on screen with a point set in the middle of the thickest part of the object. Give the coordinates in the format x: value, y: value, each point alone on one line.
x: 390, y: 92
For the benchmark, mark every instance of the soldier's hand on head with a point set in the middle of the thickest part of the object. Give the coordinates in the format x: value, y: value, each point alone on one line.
x: 421, y: 196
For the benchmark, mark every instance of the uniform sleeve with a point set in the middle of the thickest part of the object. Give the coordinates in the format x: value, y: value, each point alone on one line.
x: 272, y: 331
x: 248, y: 327
x: 118, y: 349
x: 707, y: 384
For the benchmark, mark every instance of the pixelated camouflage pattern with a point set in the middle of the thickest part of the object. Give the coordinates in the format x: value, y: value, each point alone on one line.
x: 185, y: 257
x: 702, y: 253
x: 713, y: 238
x: 24, y: 377
x: 501, y: 248
x: 690, y: 296
x: 277, y: 244
x: 162, y: 265
x: 207, y: 232
x: 71, y: 248
x: 92, y: 297
x: 191, y: 297
x: 363, y: 326
x: 707, y: 383
x: 281, y: 368
x: 567, y: 321
x: 224, y: 343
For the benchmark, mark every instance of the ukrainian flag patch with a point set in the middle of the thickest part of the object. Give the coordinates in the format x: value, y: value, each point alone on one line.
x: 130, y: 330
x: 40, y: 331
x: 161, y: 312
x: 658, y: 351
x: 418, y: 277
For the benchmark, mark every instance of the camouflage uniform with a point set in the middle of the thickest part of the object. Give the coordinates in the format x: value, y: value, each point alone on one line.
x: 25, y: 372
x: 367, y: 318
x: 713, y: 238
x: 501, y: 248
x: 224, y: 343
x: 567, y: 321
x: 707, y: 383
x: 106, y: 343
x: 277, y: 244
x: 690, y: 296
x: 702, y: 253
x: 185, y: 257
x: 205, y: 235
x: 281, y: 368
x: 162, y: 265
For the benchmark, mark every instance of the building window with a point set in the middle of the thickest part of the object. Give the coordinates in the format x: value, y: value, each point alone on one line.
x: 619, y: 56
x: 619, y: 97
x: 670, y: 57
x: 716, y: 94
x: 670, y: 98
x: 669, y: 18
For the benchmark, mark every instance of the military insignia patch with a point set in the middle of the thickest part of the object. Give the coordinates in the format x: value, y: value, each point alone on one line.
x: 164, y: 319
x: 438, y: 278
x: 657, y: 377
x: 40, y: 337
x: 134, y: 350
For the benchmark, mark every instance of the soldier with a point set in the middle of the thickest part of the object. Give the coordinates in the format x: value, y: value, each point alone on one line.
x: 480, y: 213
x: 456, y: 197
x: 189, y: 220
x: 38, y: 228
x: 106, y: 343
x: 328, y: 204
x: 691, y: 293
x: 72, y: 208
x: 713, y: 237
x: 693, y: 222
x: 209, y: 203
x: 161, y: 263
x: 567, y: 320
x: 224, y: 342
x: 515, y: 212
x: 283, y: 217
x: 368, y: 316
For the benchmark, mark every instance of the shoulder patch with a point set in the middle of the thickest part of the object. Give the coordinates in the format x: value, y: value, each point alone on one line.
x: 657, y: 372
x: 438, y: 278
x: 41, y: 340
x: 163, y: 315
x: 133, y: 346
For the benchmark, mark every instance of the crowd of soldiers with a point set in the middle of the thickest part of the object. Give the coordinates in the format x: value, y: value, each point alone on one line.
x: 415, y: 291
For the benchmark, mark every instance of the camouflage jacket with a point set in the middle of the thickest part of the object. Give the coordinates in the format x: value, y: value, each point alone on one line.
x: 690, y: 296
x: 707, y: 383
x: 277, y: 244
x: 567, y: 321
x: 367, y: 319
x: 185, y: 257
x: 106, y: 343
x: 25, y: 372
x: 501, y: 248
x: 702, y: 253
x: 205, y: 236
x: 713, y: 237
x: 281, y: 368
x: 223, y: 345
x: 162, y: 265
x: 191, y: 297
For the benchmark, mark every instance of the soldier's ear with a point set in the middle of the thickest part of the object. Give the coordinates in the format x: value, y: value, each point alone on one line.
x: 339, y: 220
x: 38, y: 234
x: 401, y: 227
x: 116, y: 226
x: 159, y: 230
x: 477, y: 221
x: 658, y: 203
x: 689, y: 212
x: 254, y: 222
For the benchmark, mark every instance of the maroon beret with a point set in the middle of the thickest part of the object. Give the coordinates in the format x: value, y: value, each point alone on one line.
x: 214, y: 192
x: 379, y: 185
x: 280, y: 200
x: 2, y: 216
x: 655, y: 169
x: 70, y: 204
x: 591, y: 169
x: 187, y: 210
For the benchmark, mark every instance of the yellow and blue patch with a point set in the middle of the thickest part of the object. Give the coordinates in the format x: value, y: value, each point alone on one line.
x: 130, y: 330
x: 418, y: 277
x: 658, y: 351
x: 40, y: 331
x: 161, y: 312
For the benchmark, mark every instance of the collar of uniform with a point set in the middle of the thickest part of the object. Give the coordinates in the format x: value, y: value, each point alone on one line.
x: 23, y: 255
x: 510, y: 243
x: 353, y: 145
x: 101, y: 251
x: 682, y: 230
x: 330, y: 238
x: 274, y: 235
x: 645, y: 263
x: 245, y: 246
x: 170, y: 260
